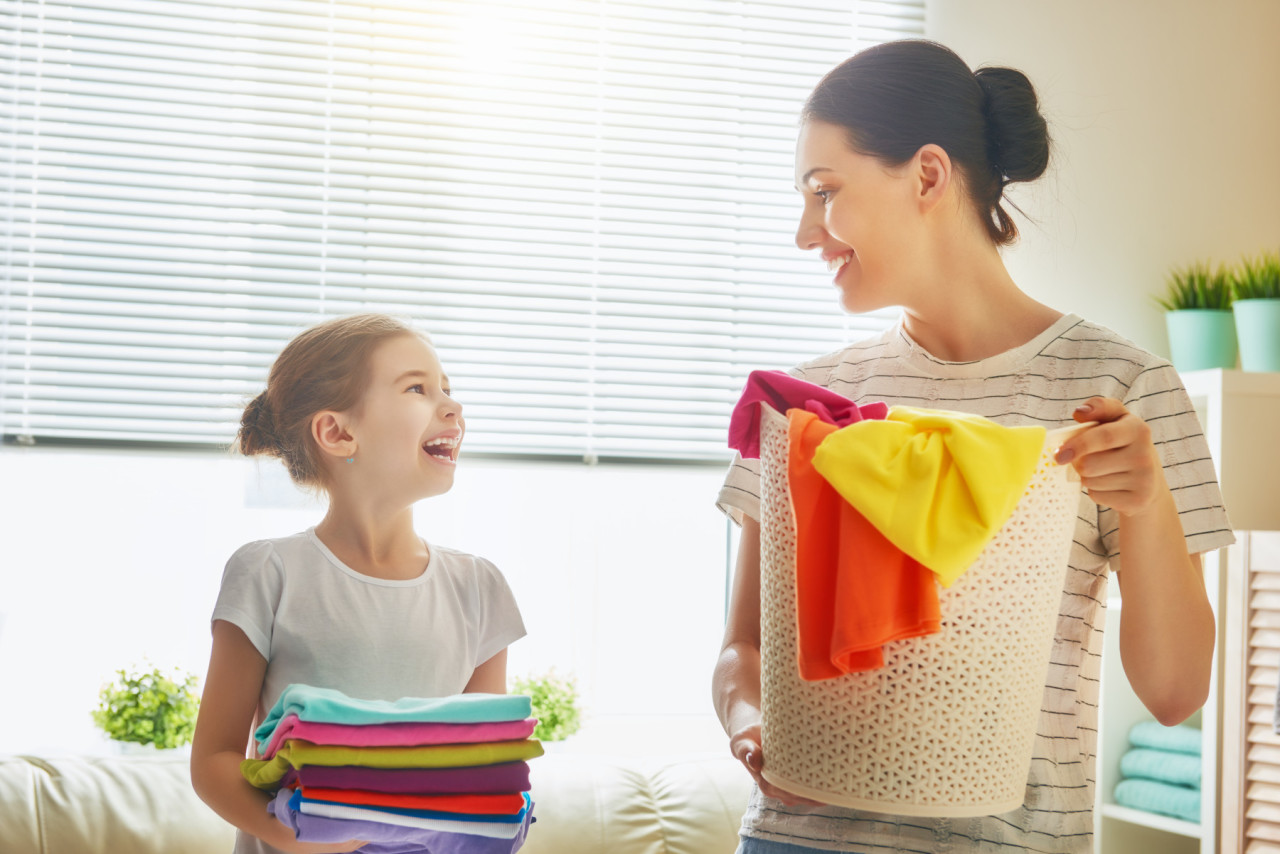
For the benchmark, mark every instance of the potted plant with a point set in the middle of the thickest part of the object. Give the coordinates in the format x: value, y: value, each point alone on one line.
x: 1256, y: 306
x: 555, y: 705
x: 1202, y: 331
x: 149, y: 708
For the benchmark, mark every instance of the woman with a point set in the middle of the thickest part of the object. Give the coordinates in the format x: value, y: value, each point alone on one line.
x: 903, y: 157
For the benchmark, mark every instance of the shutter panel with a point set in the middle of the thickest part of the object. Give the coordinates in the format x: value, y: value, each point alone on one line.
x: 587, y: 203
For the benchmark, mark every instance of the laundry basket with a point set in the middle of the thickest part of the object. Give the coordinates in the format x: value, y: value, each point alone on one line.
x: 947, y: 726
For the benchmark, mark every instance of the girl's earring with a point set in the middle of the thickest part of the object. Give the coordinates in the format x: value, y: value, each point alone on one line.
x: 351, y: 459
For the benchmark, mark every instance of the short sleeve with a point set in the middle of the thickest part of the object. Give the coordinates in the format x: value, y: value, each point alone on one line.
x: 1158, y: 397
x: 251, y: 587
x: 500, y: 623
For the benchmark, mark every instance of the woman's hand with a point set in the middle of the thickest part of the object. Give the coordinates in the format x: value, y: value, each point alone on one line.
x: 1117, y: 463
x: 745, y: 745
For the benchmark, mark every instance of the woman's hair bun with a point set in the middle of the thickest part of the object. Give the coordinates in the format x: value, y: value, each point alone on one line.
x: 1017, y: 135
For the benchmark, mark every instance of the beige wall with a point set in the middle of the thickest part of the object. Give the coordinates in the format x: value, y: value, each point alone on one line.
x: 1167, y: 122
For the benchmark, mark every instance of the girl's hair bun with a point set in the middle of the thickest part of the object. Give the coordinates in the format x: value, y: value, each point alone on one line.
x: 257, y: 433
x: 1017, y: 135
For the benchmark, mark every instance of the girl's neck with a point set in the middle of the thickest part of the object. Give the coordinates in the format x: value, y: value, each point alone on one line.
x: 377, y: 545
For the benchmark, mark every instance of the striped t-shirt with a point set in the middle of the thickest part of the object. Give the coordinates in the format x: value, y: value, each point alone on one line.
x: 1041, y: 382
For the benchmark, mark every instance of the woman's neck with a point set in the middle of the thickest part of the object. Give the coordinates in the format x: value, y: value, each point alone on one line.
x: 374, y: 544
x: 969, y: 308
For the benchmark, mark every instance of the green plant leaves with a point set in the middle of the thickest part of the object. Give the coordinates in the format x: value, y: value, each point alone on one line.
x: 148, y: 707
x: 1201, y: 286
x: 1257, y: 277
x: 555, y: 705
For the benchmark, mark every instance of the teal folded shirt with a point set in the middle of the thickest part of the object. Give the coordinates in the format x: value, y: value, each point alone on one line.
x: 1163, y: 766
x: 1150, y: 796
x: 1179, y: 739
x: 326, y: 705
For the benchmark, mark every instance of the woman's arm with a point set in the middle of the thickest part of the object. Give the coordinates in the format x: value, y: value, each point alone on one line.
x: 1166, y: 625
x: 227, y: 706
x: 735, y: 685
x: 490, y: 677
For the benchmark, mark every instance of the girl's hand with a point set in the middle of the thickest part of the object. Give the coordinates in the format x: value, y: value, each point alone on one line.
x: 745, y: 745
x: 1117, y: 463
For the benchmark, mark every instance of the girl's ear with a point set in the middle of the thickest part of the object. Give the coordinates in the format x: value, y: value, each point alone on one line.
x: 331, y: 434
x: 933, y: 174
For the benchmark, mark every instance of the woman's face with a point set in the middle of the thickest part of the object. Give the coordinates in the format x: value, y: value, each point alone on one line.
x: 858, y: 214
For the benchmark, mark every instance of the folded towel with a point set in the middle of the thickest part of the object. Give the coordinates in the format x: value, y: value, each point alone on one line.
x: 494, y: 829
x: 1179, y: 739
x: 1150, y: 796
x: 1163, y: 766
x: 387, y: 838
x: 267, y: 773
x: 325, y: 705
x: 480, y: 779
x: 393, y: 735
x: 506, y: 804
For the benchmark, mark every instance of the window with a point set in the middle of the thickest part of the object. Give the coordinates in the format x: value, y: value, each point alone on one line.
x: 587, y: 203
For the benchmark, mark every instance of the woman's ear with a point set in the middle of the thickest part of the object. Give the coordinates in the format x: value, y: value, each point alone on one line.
x: 331, y: 435
x: 933, y: 174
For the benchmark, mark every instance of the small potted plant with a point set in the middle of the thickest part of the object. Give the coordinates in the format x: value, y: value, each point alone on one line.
x: 1256, y: 306
x: 1202, y: 331
x: 555, y: 705
x: 148, y: 708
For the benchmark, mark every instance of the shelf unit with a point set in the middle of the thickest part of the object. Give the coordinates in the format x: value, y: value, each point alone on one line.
x: 1240, y: 413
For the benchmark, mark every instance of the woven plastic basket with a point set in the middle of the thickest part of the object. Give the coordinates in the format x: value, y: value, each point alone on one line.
x: 947, y: 727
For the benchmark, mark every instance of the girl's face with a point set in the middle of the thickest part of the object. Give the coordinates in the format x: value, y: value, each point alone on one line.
x: 858, y: 213
x: 407, y: 427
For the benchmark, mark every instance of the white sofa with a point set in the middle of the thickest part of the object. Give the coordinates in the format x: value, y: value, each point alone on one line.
x: 585, y: 805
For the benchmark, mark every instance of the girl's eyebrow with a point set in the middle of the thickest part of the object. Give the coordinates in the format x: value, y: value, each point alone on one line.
x: 409, y: 374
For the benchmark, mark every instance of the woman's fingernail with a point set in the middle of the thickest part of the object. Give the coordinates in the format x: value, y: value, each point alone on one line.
x: 1064, y: 455
x: 1084, y: 407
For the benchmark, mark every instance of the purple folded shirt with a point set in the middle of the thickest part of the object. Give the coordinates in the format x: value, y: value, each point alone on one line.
x: 474, y: 780
x: 395, y: 734
x: 783, y: 391
x: 390, y: 838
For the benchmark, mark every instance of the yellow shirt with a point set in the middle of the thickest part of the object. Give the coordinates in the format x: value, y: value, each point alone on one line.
x: 937, y: 484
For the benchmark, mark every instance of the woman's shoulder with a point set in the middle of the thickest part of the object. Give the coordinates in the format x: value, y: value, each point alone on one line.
x: 1089, y: 347
x: 822, y: 369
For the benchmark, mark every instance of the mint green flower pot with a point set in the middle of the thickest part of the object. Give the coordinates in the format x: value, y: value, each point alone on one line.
x: 1201, y: 338
x: 1258, y: 328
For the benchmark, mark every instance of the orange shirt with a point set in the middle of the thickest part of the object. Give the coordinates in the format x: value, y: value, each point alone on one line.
x: 855, y: 591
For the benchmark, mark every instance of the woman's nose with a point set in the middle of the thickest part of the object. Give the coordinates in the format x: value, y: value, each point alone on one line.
x: 810, y: 233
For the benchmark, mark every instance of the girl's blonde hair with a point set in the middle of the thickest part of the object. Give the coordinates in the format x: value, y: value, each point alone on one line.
x: 325, y: 368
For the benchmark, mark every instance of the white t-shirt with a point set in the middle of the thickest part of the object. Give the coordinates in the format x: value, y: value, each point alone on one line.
x: 318, y: 622
x: 1041, y: 383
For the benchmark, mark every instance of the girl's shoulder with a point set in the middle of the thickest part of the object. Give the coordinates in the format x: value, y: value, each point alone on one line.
x: 271, y: 553
x: 460, y: 563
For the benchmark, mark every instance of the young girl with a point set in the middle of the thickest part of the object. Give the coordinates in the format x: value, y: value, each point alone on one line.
x: 360, y: 408
x: 903, y: 158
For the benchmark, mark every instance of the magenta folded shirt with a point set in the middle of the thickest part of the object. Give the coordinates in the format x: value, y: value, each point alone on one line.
x: 783, y: 391
x: 477, y: 780
x: 395, y: 734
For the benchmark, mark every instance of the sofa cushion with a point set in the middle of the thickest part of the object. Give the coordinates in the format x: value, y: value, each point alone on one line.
x: 585, y: 805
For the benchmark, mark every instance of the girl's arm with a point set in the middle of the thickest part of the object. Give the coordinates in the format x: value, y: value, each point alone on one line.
x: 735, y: 685
x: 490, y: 677
x: 1166, y: 625
x: 227, y: 706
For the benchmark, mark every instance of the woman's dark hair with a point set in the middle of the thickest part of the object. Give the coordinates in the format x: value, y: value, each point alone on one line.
x: 896, y: 97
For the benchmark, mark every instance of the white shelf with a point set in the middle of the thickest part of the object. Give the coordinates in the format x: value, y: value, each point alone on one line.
x: 1152, y: 820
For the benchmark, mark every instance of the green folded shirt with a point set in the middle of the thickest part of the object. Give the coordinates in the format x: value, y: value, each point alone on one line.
x: 267, y: 773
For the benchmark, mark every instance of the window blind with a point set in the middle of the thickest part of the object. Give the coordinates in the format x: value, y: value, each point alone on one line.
x: 588, y: 204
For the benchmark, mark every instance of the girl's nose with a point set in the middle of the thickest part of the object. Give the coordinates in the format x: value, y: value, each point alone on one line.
x: 450, y: 406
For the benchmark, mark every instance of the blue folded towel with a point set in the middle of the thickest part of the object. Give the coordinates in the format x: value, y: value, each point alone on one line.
x: 1179, y: 739
x: 1150, y: 796
x: 1163, y: 766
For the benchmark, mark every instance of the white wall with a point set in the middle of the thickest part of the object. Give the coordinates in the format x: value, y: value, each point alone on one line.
x: 1167, y: 128
x: 109, y: 557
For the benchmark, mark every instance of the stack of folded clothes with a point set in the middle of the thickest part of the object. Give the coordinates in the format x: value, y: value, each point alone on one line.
x: 444, y: 774
x: 1161, y: 771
